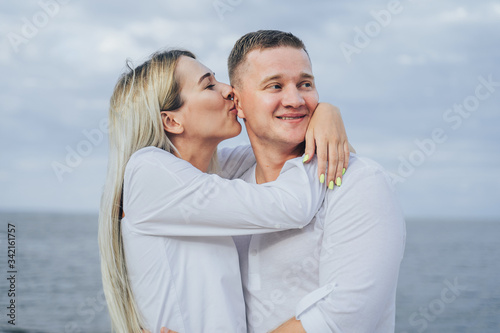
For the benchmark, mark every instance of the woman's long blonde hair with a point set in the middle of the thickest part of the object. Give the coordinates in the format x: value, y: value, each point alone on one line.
x: 134, y: 123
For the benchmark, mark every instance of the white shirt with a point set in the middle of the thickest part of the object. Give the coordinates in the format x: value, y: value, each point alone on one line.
x: 337, y: 274
x: 189, y: 283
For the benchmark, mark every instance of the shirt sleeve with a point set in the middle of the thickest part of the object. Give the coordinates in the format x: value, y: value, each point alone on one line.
x: 362, y: 248
x: 234, y: 162
x: 167, y: 196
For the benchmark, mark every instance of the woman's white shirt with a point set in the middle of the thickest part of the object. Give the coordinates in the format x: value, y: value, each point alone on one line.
x: 190, y: 283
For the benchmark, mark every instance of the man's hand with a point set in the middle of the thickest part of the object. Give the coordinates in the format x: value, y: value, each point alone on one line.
x: 290, y: 326
x: 327, y: 134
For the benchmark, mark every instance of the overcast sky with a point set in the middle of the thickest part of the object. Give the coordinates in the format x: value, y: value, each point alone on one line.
x: 418, y: 83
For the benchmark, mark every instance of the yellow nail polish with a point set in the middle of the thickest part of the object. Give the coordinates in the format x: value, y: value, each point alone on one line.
x: 330, y: 186
x: 343, y: 171
x: 306, y: 157
x: 338, y: 181
x: 322, y: 178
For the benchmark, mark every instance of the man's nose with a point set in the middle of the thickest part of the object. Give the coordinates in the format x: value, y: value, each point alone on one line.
x: 293, y: 98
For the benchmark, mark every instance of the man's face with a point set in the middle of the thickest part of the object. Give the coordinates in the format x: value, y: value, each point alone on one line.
x: 277, y: 95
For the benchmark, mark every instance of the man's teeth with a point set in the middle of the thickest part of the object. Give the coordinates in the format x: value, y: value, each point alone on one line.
x: 290, y: 118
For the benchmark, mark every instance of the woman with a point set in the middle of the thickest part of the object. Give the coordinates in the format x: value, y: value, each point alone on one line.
x: 166, y: 118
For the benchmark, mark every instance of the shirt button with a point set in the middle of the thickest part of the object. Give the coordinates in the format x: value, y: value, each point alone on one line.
x: 253, y: 252
x: 278, y: 226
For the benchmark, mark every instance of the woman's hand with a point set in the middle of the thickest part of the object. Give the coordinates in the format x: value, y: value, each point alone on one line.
x: 326, y: 134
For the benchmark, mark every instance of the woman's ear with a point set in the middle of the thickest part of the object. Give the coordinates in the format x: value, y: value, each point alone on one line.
x: 171, y: 123
x: 237, y: 103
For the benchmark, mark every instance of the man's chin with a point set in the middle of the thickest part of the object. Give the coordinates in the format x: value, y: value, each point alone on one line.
x: 295, y: 137
x: 293, y: 142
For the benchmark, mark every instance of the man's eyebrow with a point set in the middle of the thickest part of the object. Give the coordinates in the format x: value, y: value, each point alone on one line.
x: 307, y: 76
x: 271, y: 77
x: 204, y: 76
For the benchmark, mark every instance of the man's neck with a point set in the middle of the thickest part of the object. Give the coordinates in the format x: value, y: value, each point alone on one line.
x: 271, y: 158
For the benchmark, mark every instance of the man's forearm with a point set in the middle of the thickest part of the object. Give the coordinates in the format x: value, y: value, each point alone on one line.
x: 290, y: 326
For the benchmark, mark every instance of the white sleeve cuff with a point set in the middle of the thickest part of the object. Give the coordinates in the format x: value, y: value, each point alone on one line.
x: 313, y: 322
x: 310, y: 316
x: 313, y: 297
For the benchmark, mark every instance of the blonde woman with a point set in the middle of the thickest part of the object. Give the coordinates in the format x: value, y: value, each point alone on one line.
x: 165, y: 223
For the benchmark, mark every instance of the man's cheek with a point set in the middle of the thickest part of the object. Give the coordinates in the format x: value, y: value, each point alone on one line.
x: 315, y: 99
x: 312, y: 101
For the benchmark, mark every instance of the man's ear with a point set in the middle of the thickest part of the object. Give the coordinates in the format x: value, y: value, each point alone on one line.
x: 171, y: 122
x: 237, y: 103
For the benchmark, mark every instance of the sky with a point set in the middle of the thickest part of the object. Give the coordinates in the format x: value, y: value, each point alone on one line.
x: 417, y: 82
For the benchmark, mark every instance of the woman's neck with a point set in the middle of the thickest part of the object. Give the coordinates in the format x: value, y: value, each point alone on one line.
x: 199, y: 154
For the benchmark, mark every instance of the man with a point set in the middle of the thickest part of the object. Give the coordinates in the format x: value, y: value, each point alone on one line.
x: 339, y: 273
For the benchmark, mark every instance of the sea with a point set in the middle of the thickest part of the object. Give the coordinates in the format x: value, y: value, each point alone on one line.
x: 449, y: 278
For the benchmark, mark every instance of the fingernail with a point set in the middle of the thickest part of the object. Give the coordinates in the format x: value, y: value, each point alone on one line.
x: 306, y: 157
x: 330, y: 186
x: 322, y: 178
x: 343, y: 171
x: 338, y: 181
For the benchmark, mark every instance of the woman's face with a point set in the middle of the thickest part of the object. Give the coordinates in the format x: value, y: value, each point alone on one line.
x: 208, y: 112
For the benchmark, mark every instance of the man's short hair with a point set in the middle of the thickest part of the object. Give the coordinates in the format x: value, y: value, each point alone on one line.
x: 262, y: 39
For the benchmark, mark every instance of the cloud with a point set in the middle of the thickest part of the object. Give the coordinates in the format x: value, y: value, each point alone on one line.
x: 394, y: 91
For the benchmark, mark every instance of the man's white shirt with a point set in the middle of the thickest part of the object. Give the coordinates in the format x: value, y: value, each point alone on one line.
x: 337, y: 274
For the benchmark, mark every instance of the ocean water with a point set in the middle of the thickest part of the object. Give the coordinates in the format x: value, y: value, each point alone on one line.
x: 449, y: 279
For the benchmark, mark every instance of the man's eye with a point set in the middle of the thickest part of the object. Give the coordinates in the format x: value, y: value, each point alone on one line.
x: 275, y: 86
x: 210, y: 86
x: 307, y: 84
